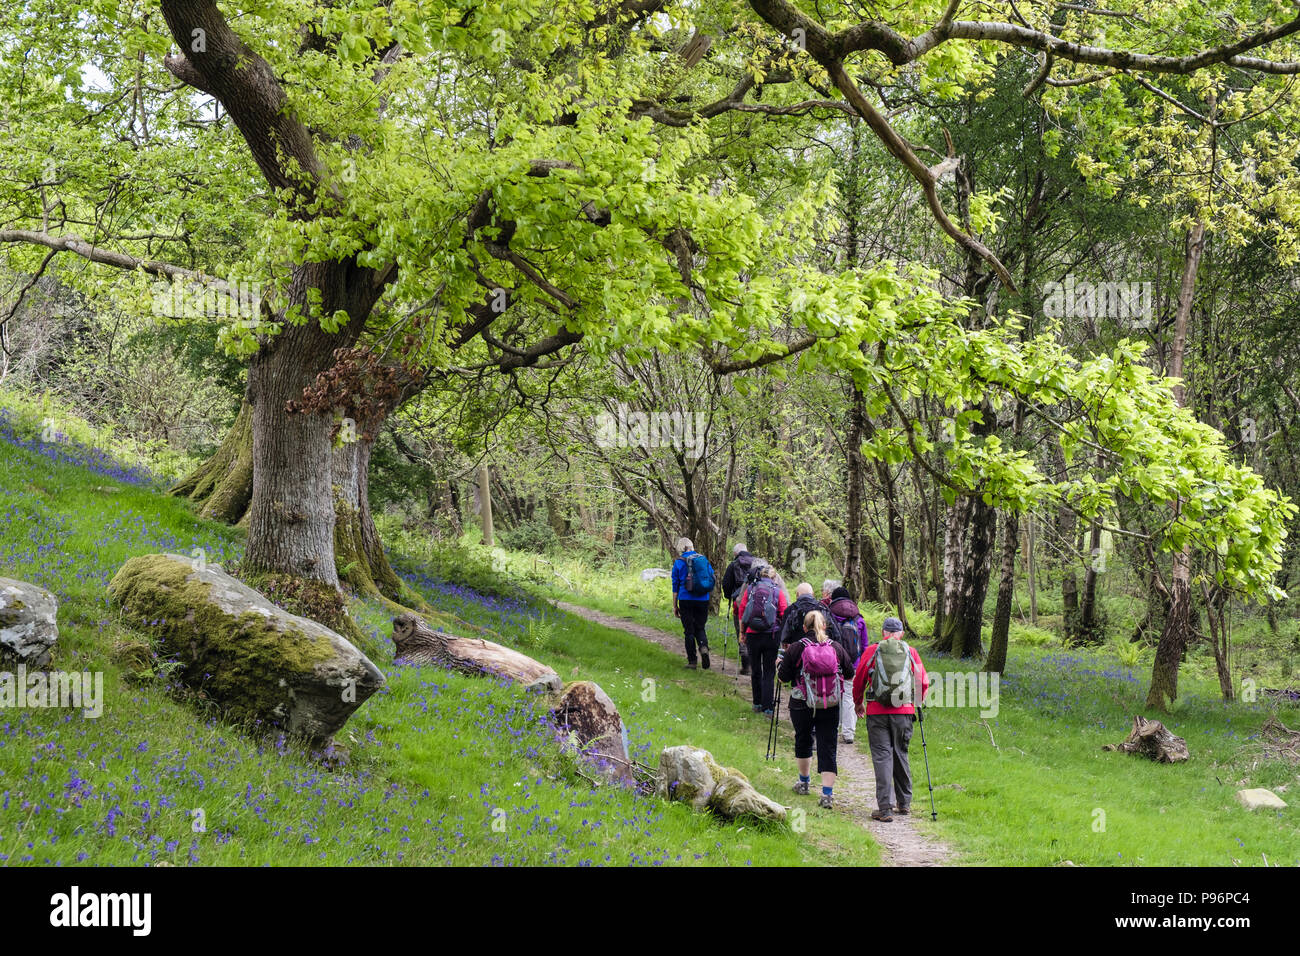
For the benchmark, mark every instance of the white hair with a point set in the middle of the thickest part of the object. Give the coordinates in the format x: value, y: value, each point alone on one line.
x: 803, y: 589
x: 740, y: 546
x: 828, y: 586
x: 684, y: 544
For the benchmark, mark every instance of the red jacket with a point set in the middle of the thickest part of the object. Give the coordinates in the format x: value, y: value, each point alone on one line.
x: 861, y: 679
x: 781, y: 603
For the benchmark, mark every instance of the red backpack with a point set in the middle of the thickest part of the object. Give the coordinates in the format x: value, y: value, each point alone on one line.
x: 819, y: 675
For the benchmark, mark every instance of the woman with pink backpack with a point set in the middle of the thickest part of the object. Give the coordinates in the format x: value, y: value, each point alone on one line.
x: 816, y: 667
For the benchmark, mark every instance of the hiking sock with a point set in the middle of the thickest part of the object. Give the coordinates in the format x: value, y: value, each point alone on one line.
x: 826, y: 791
x: 803, y: 779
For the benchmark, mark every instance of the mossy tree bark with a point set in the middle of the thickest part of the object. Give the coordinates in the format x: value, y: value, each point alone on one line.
x: 223, y: 485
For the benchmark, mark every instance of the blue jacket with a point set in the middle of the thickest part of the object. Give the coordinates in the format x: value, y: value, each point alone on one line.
x: 679, y: 580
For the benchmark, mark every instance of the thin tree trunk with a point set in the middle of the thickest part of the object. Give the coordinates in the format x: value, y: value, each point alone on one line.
x: 854, y: 576
x: 1173, y: 641
x: 999, y: 639
x: 1031, y: 568
x: 1088, y: 629
x: 485, y: 503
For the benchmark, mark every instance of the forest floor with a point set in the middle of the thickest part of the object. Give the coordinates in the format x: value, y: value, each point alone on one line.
x: 903, y: 842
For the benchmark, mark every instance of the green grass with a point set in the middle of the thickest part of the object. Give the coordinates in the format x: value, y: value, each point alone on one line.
x: 437, y: 759
x: 433, y: 762
x: 1033, y: 787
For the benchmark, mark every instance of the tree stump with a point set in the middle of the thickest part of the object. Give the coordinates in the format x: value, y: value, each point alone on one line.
x: 417, y: 643
x: 1152, y: 739
x: 592, y: 718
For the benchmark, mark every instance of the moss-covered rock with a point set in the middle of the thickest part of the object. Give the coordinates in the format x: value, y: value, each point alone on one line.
x: 256, y: 661
x: 28, y: 624
x: 690, y: 775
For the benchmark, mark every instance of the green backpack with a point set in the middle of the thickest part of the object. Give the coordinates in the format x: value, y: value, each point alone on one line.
x: 893, y: 679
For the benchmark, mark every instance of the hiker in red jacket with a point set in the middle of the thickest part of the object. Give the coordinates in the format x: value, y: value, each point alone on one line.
x: 760, y: 624
x: 884, y: 695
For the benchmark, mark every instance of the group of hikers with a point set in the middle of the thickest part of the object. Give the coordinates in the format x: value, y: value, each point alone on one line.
x: 823, y: 650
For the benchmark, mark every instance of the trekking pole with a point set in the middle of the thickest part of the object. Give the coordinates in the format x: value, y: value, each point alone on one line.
x: 920, y: 719
x: 772, y: 727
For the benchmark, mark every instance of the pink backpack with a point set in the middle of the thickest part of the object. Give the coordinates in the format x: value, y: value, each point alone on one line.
x: 819, y: 675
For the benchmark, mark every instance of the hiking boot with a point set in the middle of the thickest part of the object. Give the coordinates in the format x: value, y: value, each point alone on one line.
x: 801, y: 788
x: 882, y: 815
x: 846, y: 738
x: 704, y: 657
x: 690, y: 665
x: 758, y: 708
x: 903, y: 811
x: 824, y: 801
x: 744, y: 669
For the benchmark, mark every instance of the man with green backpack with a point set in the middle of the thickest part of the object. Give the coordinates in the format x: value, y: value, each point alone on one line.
x: 885, y: 692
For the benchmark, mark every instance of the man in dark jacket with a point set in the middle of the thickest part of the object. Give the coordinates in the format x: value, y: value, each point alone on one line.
x: 792, y: 624
x: 733, y: 582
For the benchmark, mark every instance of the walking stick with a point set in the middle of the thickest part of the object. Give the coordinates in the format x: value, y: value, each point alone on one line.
x: 920, y: 719
x: 771, y: 729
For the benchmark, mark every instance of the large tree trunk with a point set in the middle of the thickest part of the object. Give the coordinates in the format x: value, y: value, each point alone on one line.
x: 1173, y: 641
x: 291, y: 515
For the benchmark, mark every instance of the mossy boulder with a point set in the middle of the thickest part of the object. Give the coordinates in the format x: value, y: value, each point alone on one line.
x: 256, y: 661
x: 28, y: 624
x: 691, y: 775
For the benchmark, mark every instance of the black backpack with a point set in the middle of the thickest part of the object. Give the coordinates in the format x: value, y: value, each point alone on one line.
x: 849, y: 637
x: 760, y: 607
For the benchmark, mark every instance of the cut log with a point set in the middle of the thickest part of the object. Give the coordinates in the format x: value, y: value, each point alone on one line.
x: 589, y: 714
x: 417, y: 643
x: 1152, y: 739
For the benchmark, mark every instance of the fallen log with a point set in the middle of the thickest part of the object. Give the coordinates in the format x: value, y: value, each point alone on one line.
x: 417, y: 643
x: 1152, y: 739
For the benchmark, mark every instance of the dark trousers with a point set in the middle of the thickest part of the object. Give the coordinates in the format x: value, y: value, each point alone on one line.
x: 762, y: 676
x: 745, y: 652
x: 888, y: 736
x: 695, y: 615
x: 821, y: 725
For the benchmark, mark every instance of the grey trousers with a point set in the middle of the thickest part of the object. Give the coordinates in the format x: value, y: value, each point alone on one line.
x: 888, y: 736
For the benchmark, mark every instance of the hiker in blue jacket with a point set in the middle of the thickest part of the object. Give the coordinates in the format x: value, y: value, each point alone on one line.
x: 692, y: 588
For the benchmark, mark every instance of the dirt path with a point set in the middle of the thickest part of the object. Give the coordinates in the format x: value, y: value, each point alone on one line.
x: 903, y: 842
